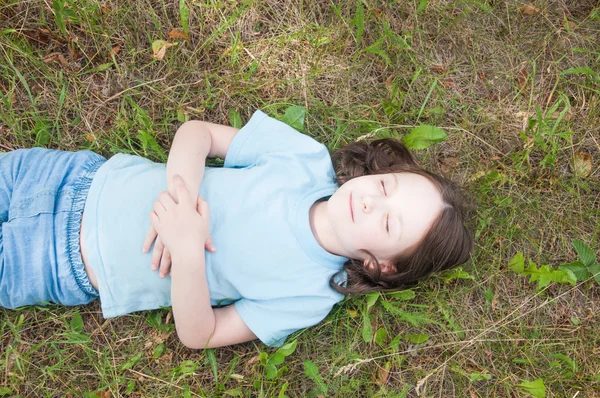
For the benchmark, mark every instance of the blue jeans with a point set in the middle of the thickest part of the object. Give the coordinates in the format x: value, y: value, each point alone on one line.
x: 42, y: 197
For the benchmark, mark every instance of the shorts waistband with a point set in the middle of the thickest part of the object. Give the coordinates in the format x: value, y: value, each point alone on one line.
x: 80, y: 190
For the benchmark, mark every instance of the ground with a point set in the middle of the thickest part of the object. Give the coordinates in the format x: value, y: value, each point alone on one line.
x: 516, y: 87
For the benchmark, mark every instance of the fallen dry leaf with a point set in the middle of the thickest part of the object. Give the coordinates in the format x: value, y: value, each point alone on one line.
x: 56, y: 57
x: 438, y: 69
x: 448, y: 83
x: 522, y: 78
x: 582, y: 164
x: 116, y: 49
x: 382, y: 376
x: 159, y: 48
x: 449, y: 163
x: 177, y: 34
x: 529, y: 9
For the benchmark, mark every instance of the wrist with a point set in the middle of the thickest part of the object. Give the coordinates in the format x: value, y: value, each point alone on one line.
x: 189, y: 257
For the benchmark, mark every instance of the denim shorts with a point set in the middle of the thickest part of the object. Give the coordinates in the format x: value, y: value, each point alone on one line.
x: 42, y: 197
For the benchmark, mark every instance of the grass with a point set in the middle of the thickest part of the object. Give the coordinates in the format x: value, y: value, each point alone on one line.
x: 518, y: 95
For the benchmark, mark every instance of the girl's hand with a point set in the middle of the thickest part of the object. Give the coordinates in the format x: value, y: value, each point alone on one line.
x: 182, y: 226
x: 161, y: 257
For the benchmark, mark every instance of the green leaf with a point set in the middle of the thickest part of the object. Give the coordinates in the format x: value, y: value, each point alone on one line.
x: 58, y: 6
x: 271, y: 372
x: 130, y: 387
x: 5, y: 32
x: 158, y: 350
x: 371, y: 299
x: 456, y: 273
x: 595, y: 270
x: 416, y: 338
x: 294, y: 117
x: 77, y: 323
x: 5, y: 391
x: 283, y: 390
x: 235, y: 119
x: 184, y: 16
x: 535, y: 388
x: 585, y: 253
x: 580, y: 71
x: 186, y: 367
x: 477, y: 376
x: 288, y: 348
x: 579, y: 270
x: 276, y: 359
x: 132, y: 361
x: 359, y: 22
x: 517, y: 263
x: 312, y: 371
x: 212, y: 360
x: 422, y: 6
x: 367, y: 330
x: 402, y: 294
x: 415, y: 318
x: 424, y: 136
x: 381, y: 337
x: 263, y: 357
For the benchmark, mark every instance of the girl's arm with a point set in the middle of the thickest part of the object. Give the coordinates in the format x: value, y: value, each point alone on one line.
x: 195, y: 141
x: 181, y: 227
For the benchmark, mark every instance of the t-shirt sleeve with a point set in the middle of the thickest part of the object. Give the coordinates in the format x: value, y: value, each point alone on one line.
x: 263, y: 136
x: 272, y: 321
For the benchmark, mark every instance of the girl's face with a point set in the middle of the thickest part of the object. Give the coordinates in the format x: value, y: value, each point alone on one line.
x: 385, y: 214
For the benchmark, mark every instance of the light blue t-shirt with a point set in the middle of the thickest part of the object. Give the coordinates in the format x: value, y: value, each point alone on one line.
x: 267, y: 261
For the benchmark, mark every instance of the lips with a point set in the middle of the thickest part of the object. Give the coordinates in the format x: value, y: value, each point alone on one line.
x: 351, y: 208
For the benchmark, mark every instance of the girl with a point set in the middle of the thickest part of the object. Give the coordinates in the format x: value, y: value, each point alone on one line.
x: 289, y: 241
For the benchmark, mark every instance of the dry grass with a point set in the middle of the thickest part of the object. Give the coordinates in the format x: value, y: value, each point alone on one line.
x: 479, y: 69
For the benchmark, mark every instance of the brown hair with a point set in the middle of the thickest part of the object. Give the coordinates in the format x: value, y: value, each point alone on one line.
x: 447, y: 244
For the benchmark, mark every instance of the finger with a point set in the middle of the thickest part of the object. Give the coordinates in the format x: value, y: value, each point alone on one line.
x: 150, y: 236
x: 165, y: 263
x: 159, y: 208
x: 157, y: 253
x: 204, y: 210
x: 181, y: 190
x: 208, y: 245
x: 166, y: 199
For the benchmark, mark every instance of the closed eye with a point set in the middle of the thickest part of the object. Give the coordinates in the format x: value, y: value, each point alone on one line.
x: 387, y: 223
x: 383, y: 185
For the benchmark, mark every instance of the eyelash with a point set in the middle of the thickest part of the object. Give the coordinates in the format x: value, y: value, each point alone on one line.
x: 387, y: 217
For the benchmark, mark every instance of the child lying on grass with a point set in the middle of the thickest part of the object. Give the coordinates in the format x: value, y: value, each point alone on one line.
x: 292, y: 234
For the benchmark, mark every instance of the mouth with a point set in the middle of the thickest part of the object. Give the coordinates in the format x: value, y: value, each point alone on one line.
x: 351, y: 208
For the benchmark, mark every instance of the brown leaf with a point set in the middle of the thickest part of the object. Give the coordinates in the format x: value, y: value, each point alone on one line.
x: 50, y: 58
x: 438, y: 69
x: 177, y: 34
x: 522, y: 78
x: 449, y: 163
x: 62, y: 60
x: 582, y: 164
x: 382, y: 375
x: 448, y: 83
x: 116, y: 49
x: 529, y: 9
x: 159, y: 48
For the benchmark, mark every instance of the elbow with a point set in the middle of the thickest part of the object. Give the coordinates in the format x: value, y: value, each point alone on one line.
x: 194, y: 340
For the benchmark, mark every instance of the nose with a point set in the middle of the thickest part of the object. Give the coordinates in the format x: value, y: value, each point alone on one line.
x: 368, y: 204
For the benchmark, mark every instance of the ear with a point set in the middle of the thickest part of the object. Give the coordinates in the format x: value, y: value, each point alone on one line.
x: 386, y: 267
